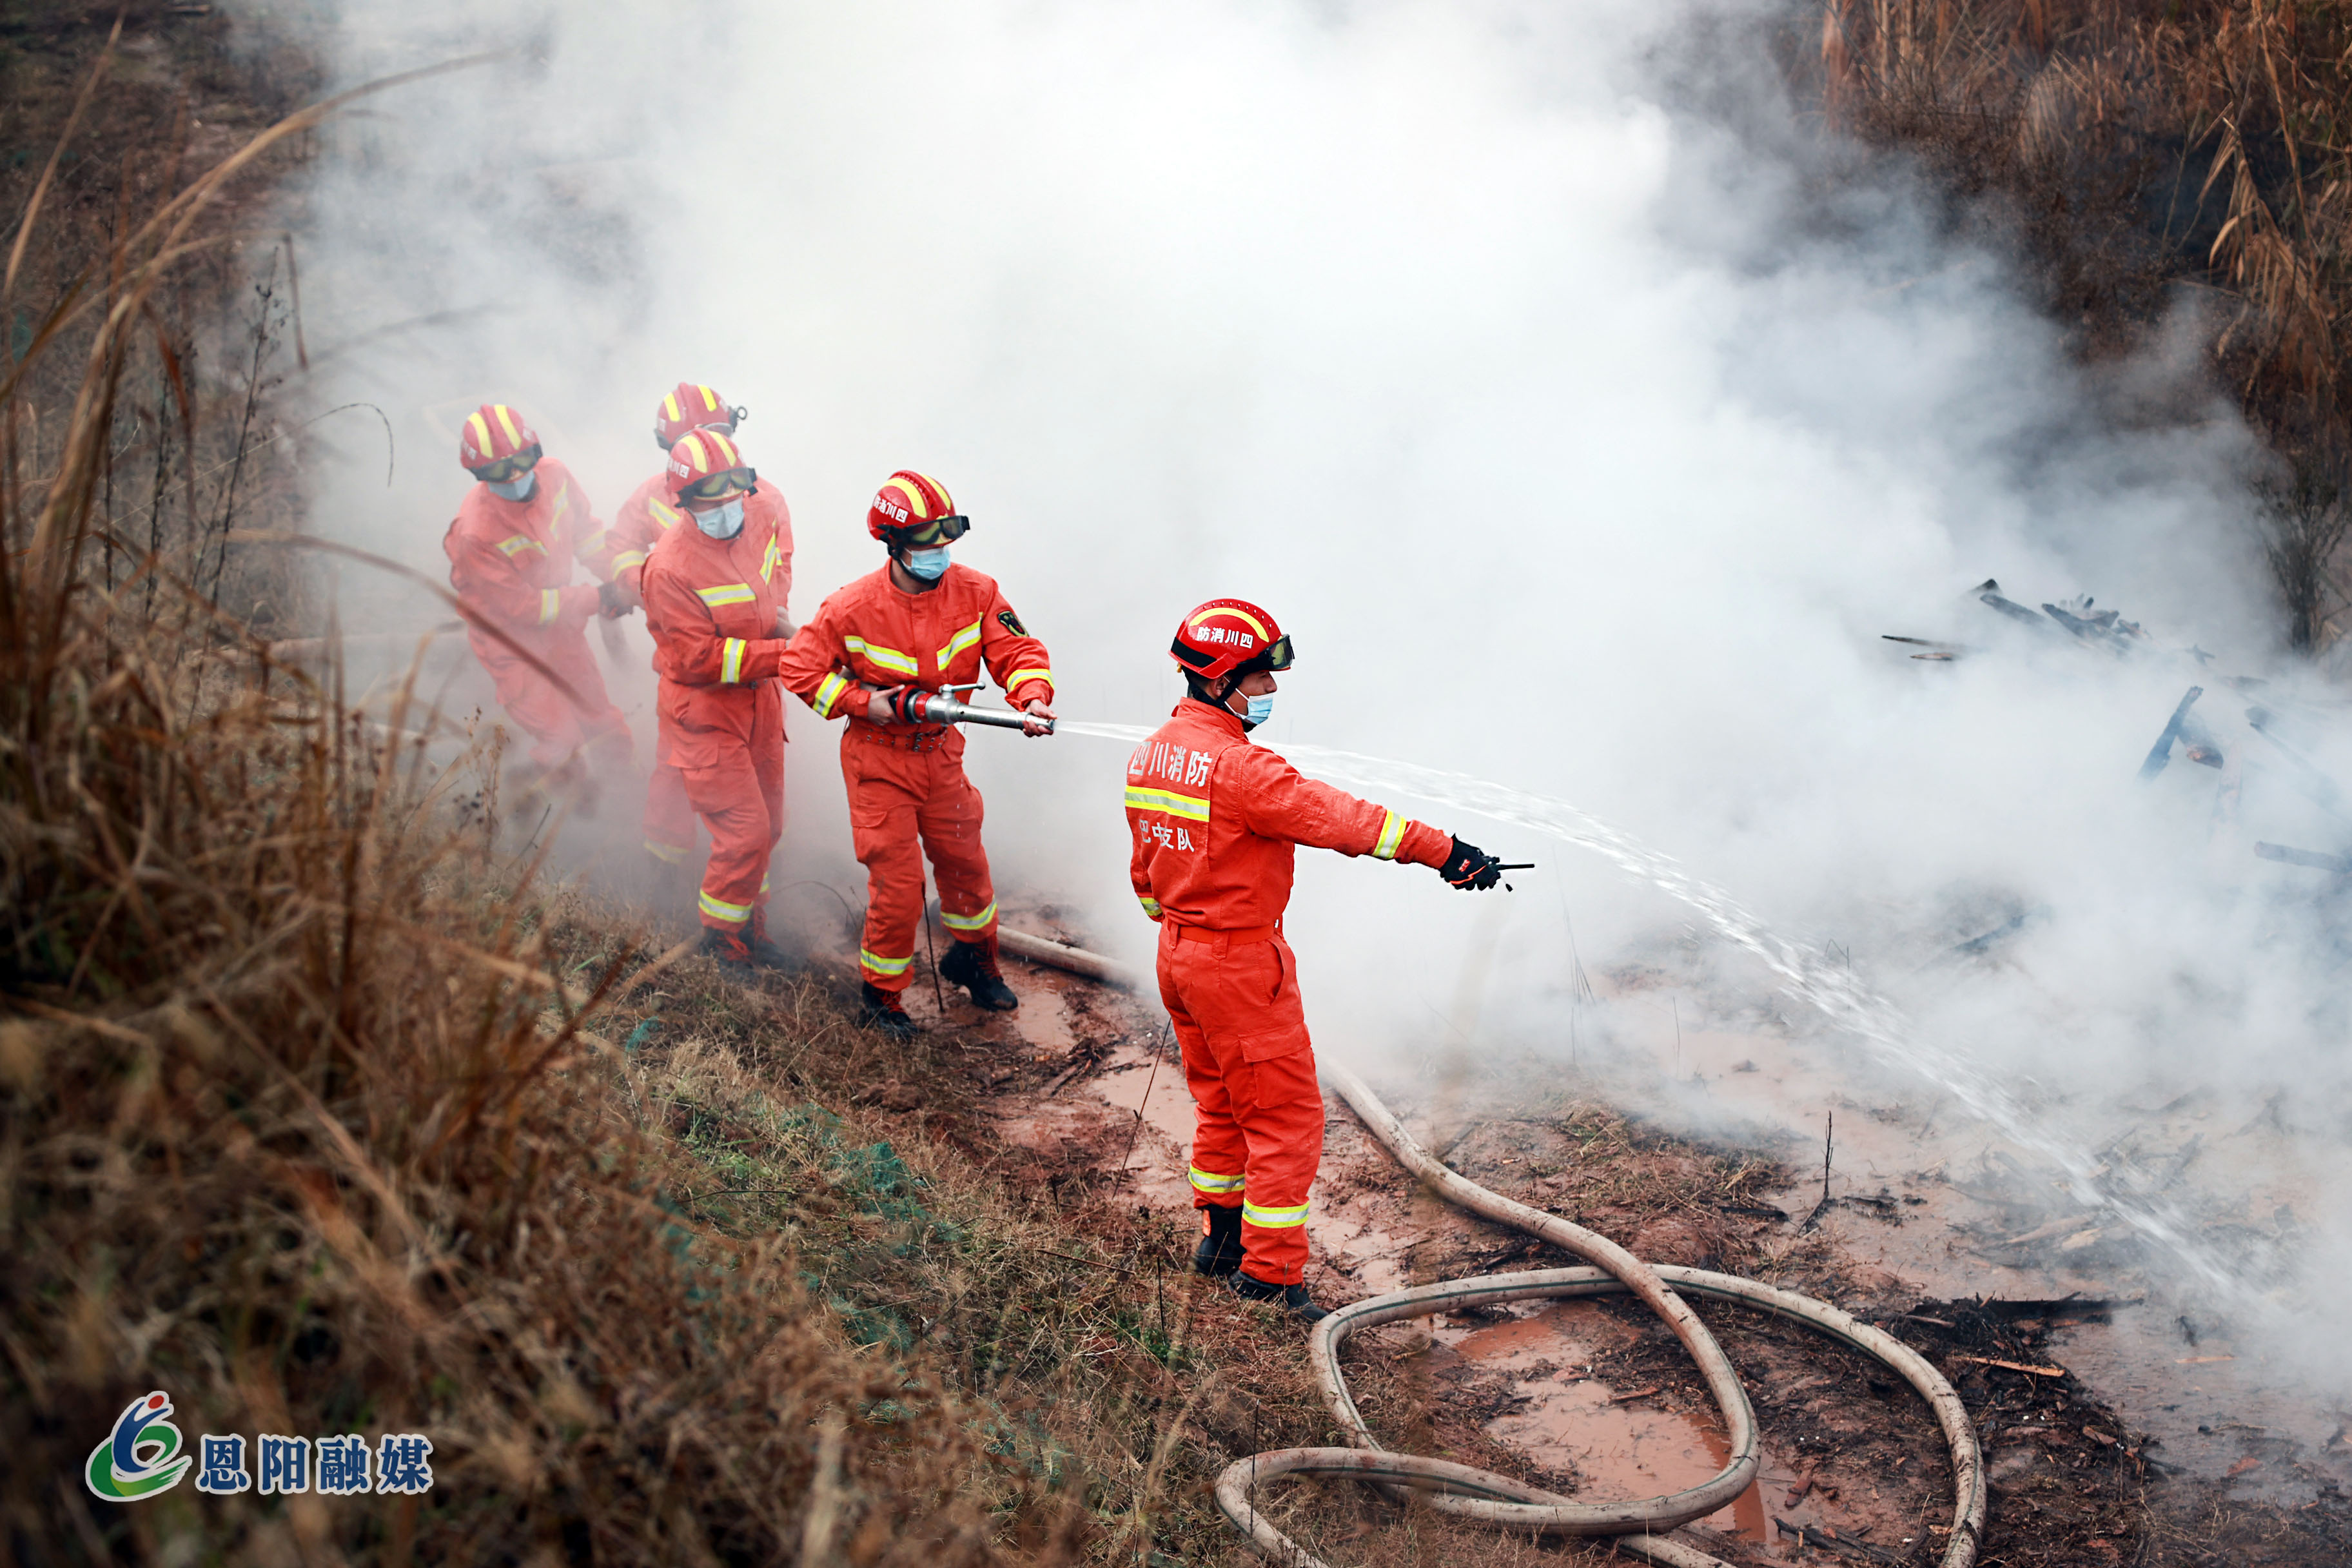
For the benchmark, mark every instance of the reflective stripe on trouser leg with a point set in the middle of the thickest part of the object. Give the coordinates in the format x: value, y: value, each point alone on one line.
x: 886, y: 787
x: 1251, y: 1068
x: 741, y: 803
x: 949, y: 820
x: 669, y: 816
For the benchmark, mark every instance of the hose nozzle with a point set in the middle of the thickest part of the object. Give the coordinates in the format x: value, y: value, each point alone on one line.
x: 938, y: 708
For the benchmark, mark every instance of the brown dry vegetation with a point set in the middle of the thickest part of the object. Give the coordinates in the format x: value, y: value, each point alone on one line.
x: 307, y: 1116
x: 2152, y: 157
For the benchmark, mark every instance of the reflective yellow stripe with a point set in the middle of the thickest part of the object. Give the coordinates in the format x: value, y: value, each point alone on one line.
x: 979, y: 922
x: 728, y: 593
x: 828, y: 692
x: 1164, y: 800
x: 628, y: 558
x: 1012, y: 681
x: 731, y: 662
x: 669, y: 407
x: 481, y: 432
x: 770, y: 559
x: 507, y: 547
x: 884, y: 965
x: 887, y: 658
x: 1273, y: 1219
x: 957, y: 644
x: 590, y: 545
x: 506, y: 422
x: 1391, y: 835
x: 673, y: 853
x: 667, y: 516
x: 551, y: 604
x: 562, y: 499
x: 1151, y: 906
x: 719, y: 909
x: 1209, y: 1182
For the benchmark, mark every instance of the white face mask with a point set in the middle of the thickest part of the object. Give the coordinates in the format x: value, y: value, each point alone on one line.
x: 722, y: 521
x: 515, y: 488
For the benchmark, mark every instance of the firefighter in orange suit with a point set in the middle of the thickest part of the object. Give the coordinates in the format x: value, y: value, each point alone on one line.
x: 714, y: 591
x: 920, y: 624
x: 650, y: 512
x: 511, y: 551
x: 1216, y: 821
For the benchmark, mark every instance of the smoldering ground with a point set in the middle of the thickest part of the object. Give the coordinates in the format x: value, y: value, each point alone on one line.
x: 1582, y: 442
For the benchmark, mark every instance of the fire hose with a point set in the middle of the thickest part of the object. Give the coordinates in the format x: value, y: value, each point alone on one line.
x: 939, y: 707
x: 1467, y: 1493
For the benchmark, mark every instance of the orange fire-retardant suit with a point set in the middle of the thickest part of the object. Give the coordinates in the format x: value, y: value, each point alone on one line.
x: 713, y: 608
x: 643, y: 519
x: 905, y: 782
x: 510, y: 563
x: 1216, y: 821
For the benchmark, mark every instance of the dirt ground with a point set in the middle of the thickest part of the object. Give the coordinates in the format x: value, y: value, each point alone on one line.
x: 1080, y: 1094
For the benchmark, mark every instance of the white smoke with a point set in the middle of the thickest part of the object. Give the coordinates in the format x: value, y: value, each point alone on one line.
x: 1579, y: 441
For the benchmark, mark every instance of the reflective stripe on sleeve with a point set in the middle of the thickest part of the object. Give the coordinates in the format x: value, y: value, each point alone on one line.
x: 828, y: 692
x: 1211, y: 1181
x: 730, y: 663
x: 1193, y: 806
x: 887, y: 658
x: 727, y: 594
x: 1273, y: 1219
x: 1391, y: 835
x: 979, y: 922
x: 551, y: 604
x: 965, y: 638
x: 1151, y: 906
x: 1012, y: 681
x: 590, y: 545
x: 881, y: 965
x: 667, y: 516
x: 719, y: 909
x: 626, y: 559
x: 514, y: 542
x: 770, y: 559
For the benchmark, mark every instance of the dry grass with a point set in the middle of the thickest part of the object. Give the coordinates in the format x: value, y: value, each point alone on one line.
x: 2136, y: 148
x: 293, y: 1127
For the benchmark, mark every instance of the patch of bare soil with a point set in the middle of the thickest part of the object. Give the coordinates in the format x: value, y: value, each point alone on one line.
x: 1597, y: 1398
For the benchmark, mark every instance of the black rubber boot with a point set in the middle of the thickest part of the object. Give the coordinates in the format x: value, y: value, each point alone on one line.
x: 972, y: 965
x: 879, y: 1009
x: 1219, y: 1252
x: 742, y: 951
x: 1291, y: 1299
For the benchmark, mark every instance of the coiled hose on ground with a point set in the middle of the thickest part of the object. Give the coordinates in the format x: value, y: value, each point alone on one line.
x: 1467, y: 1492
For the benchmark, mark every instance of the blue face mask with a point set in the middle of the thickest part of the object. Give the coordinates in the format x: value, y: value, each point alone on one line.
x: 927, y: 564
x: 515, y: 488
x: 1261, y: 709
x: 722, y: 521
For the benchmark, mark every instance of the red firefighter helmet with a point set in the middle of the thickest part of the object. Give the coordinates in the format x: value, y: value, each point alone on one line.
x: 1229, y: 636
x: 691, y: 406
x: 494, y: 437
x: 706, y: 465
x: 914, y: 510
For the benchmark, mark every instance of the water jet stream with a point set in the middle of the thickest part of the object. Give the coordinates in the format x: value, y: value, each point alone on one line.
x: 1806, y: 974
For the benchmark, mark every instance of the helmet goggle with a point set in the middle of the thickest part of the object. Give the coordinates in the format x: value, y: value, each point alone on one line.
x: 505, y: 469
x: 1278, y: 656
x: 721, y: 485
x: 932, y: 532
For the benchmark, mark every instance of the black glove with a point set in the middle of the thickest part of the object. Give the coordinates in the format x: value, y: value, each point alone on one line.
x: 613, y: 599
x: 1470, y: 866
x: 904, y: 703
